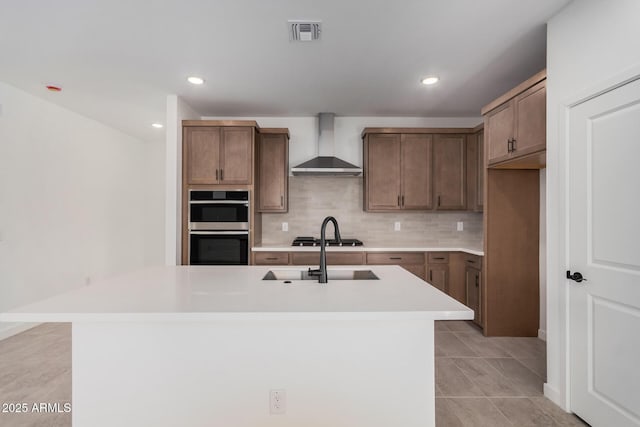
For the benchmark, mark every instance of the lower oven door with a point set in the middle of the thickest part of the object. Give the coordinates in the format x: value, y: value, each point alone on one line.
x: 219, y: 248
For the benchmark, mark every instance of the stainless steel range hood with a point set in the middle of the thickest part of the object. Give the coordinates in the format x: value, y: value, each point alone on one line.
x: 326, y: 164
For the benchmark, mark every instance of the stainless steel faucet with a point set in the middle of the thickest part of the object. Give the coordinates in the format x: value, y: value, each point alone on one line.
x: 322, y: 271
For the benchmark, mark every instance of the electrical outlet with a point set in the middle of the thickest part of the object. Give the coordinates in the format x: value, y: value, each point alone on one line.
x: 460, y: 226
x: 277, y: 401
x: 396, y: 226
x: 285, y: 226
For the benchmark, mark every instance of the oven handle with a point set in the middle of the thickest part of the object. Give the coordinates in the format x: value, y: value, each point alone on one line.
x: 219, y: 202
x: 214, y: 233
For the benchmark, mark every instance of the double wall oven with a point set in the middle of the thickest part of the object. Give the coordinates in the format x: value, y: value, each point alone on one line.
x: 218, y: 227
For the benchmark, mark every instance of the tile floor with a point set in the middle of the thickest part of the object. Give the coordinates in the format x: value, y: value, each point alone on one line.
x: 492, y: 382
x: 479, y: 381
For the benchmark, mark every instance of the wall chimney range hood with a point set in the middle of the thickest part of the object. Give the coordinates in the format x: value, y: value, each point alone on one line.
x: 326, y: 164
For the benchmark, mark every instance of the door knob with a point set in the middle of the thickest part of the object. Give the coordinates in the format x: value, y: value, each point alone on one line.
x: 577, y: 276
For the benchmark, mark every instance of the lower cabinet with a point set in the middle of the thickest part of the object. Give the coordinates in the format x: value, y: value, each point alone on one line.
x: 438, y: 270
x: 271, y: 258
x: 473, y: 287
x: 410, y: 261
x: 333, y: 258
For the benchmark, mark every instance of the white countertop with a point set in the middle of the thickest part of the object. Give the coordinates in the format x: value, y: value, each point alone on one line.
x: 196, y: 293
x: 265, y: 248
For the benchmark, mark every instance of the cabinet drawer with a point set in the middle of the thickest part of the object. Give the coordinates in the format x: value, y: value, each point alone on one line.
x: 333, y: 258
x: 438, y: 258
x: 395, y: 258
x: 271, y: 258
x: 473, y: 261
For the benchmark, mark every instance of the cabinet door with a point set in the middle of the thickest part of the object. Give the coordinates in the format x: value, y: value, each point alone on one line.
x: 438, y: 276
x: 416, y: 171
x: 473, y: 293
x: 480, y: 172
x: 273, y: 170
x: 498, y: 127
x: 236, y: 155
x: 531, y: 120
x: 201, y: 150
x: 449, y: 159
x: 383, y: 172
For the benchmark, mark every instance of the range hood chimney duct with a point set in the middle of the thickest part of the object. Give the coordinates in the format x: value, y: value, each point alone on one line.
x: 326, y: 163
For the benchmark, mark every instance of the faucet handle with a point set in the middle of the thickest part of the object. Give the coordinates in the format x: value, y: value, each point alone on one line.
x: 314, y: 273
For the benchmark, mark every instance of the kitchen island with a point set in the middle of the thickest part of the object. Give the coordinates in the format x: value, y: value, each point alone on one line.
x: 201, y: 345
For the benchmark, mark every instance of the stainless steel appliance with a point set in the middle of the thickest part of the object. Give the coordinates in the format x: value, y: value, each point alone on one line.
x: 218, y: 227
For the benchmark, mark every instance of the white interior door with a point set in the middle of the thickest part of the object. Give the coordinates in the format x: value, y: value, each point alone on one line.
x: 604, y: 245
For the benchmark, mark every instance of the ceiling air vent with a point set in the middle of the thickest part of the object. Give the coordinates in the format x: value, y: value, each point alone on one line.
x: 304, y: 31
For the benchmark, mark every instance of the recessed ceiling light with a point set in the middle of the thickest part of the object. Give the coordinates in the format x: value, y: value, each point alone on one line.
x: 195, y: 80
x: 157, y: 125
x: 429, y: 80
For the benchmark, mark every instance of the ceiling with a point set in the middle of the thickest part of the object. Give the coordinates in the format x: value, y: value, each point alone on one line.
x: 118, y: 60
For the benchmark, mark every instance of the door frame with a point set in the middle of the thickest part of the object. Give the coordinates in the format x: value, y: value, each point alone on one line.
x: 557, y: 387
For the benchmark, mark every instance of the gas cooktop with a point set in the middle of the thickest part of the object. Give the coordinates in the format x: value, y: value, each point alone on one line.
x: 312, y: 241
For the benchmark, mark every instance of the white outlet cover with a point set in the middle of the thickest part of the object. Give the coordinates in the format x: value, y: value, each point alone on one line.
x: 397, y: 226
x: 277, y: 401
x: 285, y: 226
x: 460, y: 226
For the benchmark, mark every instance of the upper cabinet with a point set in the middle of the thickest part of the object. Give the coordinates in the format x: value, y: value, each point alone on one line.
x: 415, y: 169
x: 217, y: 155
x: 397, y: 170
x: 475, y: 169
x: 515, y: 126
x: 449, y: 172
x: 273, y: 170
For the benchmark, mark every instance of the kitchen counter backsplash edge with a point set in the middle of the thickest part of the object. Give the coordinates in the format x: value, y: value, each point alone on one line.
x: 471, y: 251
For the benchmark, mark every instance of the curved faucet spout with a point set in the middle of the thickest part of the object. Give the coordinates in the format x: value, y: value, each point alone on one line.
x: 322, y: 276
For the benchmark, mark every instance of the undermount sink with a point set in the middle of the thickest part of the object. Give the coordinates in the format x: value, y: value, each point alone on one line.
x: 331, y: 275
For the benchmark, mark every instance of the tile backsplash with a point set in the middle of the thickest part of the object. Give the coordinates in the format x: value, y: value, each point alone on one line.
x: 311, y: 198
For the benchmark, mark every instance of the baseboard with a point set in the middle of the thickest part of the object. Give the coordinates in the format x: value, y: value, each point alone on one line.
x: 553, y: 395
x: 542, y: 334
x: 15, y: 328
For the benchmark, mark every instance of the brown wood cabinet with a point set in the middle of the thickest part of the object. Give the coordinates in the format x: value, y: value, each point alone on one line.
x: 515, y: 126
x: 420, y: 169
x: 475, y: 170
x: 271, y: 258
x: 398, y: 172
x: 218, y: 155
x: 333, y: 258
x: 449, y: 171
x: 273, y: 170
x: 473, y: 293
x: 509, y: 284
x: 413, y: 262
x: 438, y: 270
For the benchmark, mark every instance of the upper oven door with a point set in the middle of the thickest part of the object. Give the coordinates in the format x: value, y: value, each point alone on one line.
x: 227, y: 211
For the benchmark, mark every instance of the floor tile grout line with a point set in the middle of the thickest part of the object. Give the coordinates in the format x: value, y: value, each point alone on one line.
x: 500, y: 412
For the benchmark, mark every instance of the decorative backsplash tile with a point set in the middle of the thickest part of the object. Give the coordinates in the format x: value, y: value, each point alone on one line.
x: 311, y: 198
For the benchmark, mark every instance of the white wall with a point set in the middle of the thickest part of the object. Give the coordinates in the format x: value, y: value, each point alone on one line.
x: 588, y: 42
x: 75, y: 196
x: 177, y: 111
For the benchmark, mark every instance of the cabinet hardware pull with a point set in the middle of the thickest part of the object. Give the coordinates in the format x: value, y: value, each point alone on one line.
x: 513, y: 144
x: 216, y: 174
x: 282, y: 201
x: 430, y: 274
x: 395, y: 257
x: 509, y: 145
x: 398, y: 200
x: 273, y: 259
x: 221, y: 174
x: 438, y: 201
x: 471, y: 262
x: 403, y: 200
x: 477, y: 281
x: 438, y: 257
